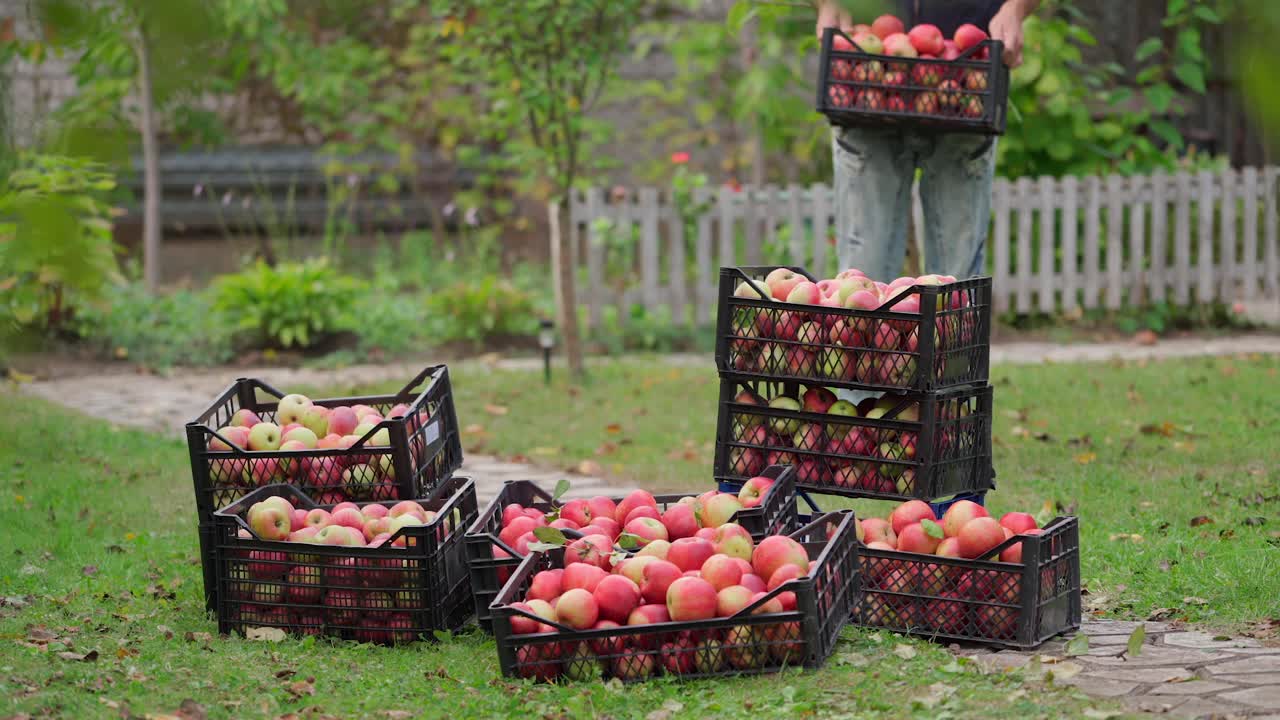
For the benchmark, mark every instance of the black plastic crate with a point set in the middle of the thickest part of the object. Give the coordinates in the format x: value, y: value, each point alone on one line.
x: 946, y: 344
x: 739, y: 644
x: 969, y: 94
x: 1017, y: 605
x: 927, y: 446
x: 492, y: 561
x: 424, y: 449
x: 385, y: 594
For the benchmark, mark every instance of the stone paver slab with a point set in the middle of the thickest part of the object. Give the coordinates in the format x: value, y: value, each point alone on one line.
x: 1207, y: 641
x: 1266, y: 697
x: 1100, y: 687
x: 1144, y: 675
x: 1156, y: 655
x: 1257, y: 664
x: 1119, y: 627
x: 1148, y: 704
x: 1191, y: 687
x: 1208, y: 708
x: 1253, y: 679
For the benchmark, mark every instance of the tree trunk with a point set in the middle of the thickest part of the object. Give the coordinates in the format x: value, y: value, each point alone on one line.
x: 151, y: 170
x: 565, y: 287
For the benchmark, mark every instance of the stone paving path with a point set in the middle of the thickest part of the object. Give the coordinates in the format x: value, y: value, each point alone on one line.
x: 1182, y: 673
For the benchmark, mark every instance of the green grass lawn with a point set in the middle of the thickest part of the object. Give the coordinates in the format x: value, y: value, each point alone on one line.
x: 101, y: 615
x: 1183, y: 454
x: 100, y: 550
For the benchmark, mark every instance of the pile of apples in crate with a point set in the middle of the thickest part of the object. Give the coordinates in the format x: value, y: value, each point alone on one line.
x: 928, y: 88
x: 821, y: 344
x: 346, y: 524
x: 772, y: 439
x: 689, y: 566
x: 966, y: 530
x: 302, y: 425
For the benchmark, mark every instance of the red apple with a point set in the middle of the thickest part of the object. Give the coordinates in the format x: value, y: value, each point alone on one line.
x: 637, y: 498
x: 926, y: 38
x: 979, y: 536
x: 959, y: 514
x: 1013, y: 553
x: 547, y: 585
x: 732, y: 599
x: 592, y: 549
x: 616, y: 596
x: 657, y: 577
x: 754, y: 491
x: 721, y: 571
x: 781, y: 281
x: 1019, y: 522
x: 911, y: 511
x: 754, y: 583
x: 968, y: 35
x: 775, y: 551
x: 690, y: 598
x: 681, y: 520
x: 887, y: 25
x: 644, y: 511
x: 916, y: 538
x: 690, y: 553
x: 582, y: 575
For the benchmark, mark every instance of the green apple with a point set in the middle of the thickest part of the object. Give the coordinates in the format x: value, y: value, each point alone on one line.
x: 300, y: 435
x: 265, y: 436
x: 291, y: 408
x: 316, y: 419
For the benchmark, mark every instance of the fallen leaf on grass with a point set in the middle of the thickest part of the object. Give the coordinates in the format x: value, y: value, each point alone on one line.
x: 589, y: 467
x: 265, y: 634
x: 91, y: 656
x: 498, y: 410
x: 1086, y: 458
x: 613, y: 428
x: 301, y: 688
x: 1139, y: 636
x: 30, y: 569
x: 1199, y: 520
x: 906, y: 652
x: 1131, y: 537
x: 852, y: 659
x: 1193, y: 600
x: 1065, y: 670
x: 203, y: 637
x: 937, y: 693
x: 669, y: 709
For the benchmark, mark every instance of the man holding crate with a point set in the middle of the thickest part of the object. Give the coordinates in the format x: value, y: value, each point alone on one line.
x: 875, y: 167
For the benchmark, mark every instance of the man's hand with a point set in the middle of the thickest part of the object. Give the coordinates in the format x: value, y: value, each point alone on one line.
x: 830, y: 15
x: 1006, y: 27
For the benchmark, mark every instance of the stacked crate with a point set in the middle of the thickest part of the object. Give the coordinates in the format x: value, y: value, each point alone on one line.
x: 410, y: 455
x: 891, y: 403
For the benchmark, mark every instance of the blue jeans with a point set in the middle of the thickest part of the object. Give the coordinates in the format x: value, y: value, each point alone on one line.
x: 874, y: 169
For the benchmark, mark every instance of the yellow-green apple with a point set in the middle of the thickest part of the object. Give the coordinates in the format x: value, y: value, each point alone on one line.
x: 292, y: 408
x: 303, y: 583
x: 582, y: 576
x: 747, y: 290
x: 733, y: 540
x: 656, y: 578
x: 745, y: 649
x: 810, y: 436
x: 841, y: 408
x: 580, y: 663
x: 691, y: 598
x: 721, y: 571
x: 782, y: 281
x: 732, y: 599
x: 719, y: 510
x: 245, y: 418
x: 959, y: 514
x: 690, y: 553
x: 656, y: 549
x: 544, y: 610
x: 754, y: 491
x: 921, y: 537
x: 301, y: 435
x: 775, y: 551
x: 647, y: 529
x: 577, y: 608
x: 637, y: 498
x: 644, y: 511
x: 339, y: 535
x: 269, y: 521
x: 911, y: 511
x: 316, y: 419
x: 1019, y: 522
x: 978, y: 536
x: 708, y: 656
x: 632, y: 666
x: 592, y: 550
x: 238, y: 436
x: 264, y: 436
x: 1013, y: 553
x: 616, y: 596
x: 633, y: 568
x: 681, y: 521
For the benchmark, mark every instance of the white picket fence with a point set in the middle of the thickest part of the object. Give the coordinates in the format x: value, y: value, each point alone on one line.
x: 1183, y: 238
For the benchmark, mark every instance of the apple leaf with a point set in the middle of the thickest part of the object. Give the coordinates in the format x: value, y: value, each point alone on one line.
x: 906, y: 652
x: 1078, y: 645
x: 542, y: 546
x: 617, y: 557
x: 629, y: 541
x: 562, y: 487
x: 550, y: 535
x: 932, y: 529
x: 1136, y: 639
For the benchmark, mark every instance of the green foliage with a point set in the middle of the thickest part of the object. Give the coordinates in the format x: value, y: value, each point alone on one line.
x: 1159, y: 317
x: 478, y: 309
x: 646, y: 331
x: 1067, y: 116
x: 56, y: 251
x: 157, y: 330
x: 290, y: 305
